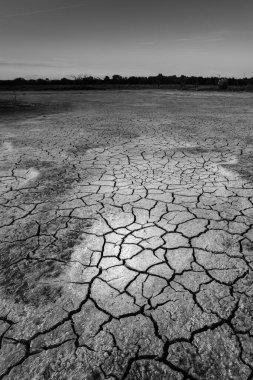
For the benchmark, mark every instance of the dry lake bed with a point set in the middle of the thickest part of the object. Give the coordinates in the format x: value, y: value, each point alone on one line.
x: 126, y: 236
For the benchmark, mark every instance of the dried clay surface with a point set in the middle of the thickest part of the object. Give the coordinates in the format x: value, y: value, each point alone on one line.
x: 126, y: 237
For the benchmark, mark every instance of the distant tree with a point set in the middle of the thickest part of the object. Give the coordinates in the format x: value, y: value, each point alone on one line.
x: 106, y: 79
x: 65, y: 80
x: 222, y: 84
x: 78, y: 77
x: 19, y: 80
x: 159, y: 79
x: 116, y: 78
x: 133, y: 80
x: 182, y: 81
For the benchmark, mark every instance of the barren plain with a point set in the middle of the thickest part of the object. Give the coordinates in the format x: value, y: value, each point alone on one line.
x: 126, y: 236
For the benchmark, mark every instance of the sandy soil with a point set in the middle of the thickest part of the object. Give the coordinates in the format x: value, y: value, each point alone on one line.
x: 126, y: 236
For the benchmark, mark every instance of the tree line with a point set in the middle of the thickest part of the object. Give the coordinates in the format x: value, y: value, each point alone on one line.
x: 158, y: 80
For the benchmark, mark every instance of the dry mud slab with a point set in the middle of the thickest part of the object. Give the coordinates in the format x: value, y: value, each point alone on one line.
x: 126, y: 238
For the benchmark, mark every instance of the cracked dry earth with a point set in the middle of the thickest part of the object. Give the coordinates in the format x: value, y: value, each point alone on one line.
x: 126, y: 238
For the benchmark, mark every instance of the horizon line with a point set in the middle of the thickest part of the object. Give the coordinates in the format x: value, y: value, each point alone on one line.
x: 99, y: 76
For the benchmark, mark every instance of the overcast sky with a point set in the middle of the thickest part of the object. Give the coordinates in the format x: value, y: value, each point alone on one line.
x: 56, y: 38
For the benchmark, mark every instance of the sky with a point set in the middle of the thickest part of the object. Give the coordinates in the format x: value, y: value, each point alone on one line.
x: 59, y: 38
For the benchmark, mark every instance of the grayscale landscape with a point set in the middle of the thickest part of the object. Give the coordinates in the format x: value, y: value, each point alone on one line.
x: 126, y: 235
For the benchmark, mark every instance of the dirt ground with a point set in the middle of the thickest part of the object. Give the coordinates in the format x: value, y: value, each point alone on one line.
x: 126, y: 236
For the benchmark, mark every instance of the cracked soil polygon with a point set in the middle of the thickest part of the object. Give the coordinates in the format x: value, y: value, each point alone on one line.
x: 126, y: 237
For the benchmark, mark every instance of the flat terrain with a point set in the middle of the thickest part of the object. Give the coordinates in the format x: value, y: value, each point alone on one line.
x: 126, y: 236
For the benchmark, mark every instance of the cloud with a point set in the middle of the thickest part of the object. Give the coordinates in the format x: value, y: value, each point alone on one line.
x: 208, y: 37
x: 26, y: 64
x: 192, y: 39
x: 147, y: 43
x: 216, y: 36
x: 21, y: 63
x: 39, y: 11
